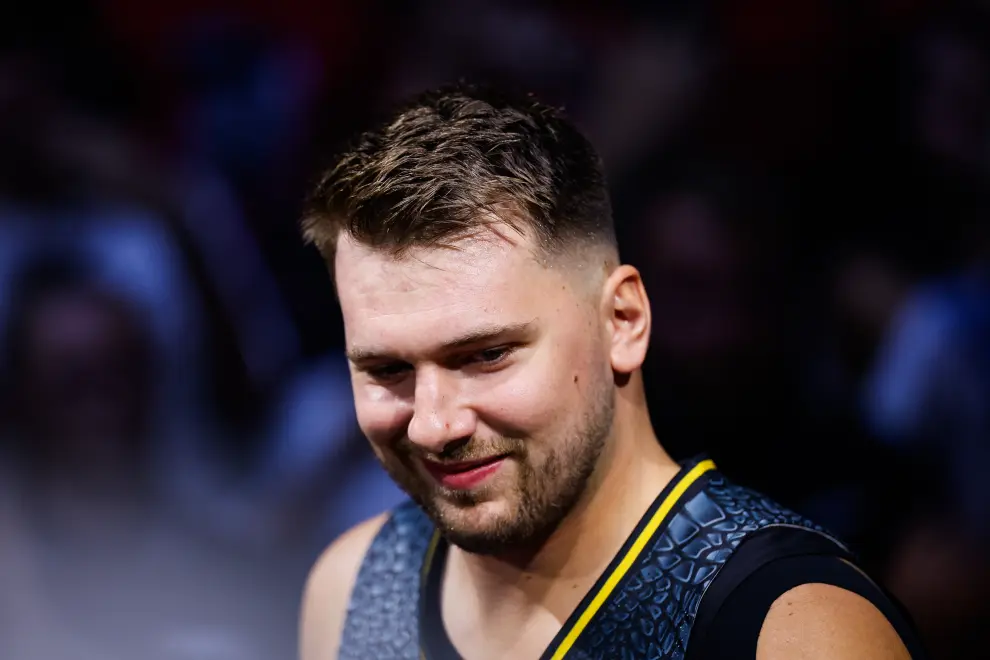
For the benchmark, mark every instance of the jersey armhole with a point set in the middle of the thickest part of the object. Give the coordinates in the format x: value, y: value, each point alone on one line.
x: 765, y: 567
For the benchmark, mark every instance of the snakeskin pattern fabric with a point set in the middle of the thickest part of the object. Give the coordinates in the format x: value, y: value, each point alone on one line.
x: 383, y: 614
x: 648, y: 616
x: 651, y: 613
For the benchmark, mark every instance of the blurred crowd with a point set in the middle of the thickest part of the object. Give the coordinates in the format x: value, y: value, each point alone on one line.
x: 805, y: 187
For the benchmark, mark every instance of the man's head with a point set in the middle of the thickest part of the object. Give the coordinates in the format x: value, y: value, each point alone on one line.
x: 488, y: 322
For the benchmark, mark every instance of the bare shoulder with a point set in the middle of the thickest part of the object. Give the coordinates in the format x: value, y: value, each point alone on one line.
x: 328, y: 590
x: 815, y: 621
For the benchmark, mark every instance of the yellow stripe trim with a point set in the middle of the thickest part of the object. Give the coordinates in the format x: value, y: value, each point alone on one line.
x: 627, y: 561
x: 428, y: 557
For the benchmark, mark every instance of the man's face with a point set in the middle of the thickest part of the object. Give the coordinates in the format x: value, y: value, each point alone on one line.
x: 482, y: 380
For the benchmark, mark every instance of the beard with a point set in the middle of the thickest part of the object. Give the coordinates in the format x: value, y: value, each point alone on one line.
x: 534, y: 502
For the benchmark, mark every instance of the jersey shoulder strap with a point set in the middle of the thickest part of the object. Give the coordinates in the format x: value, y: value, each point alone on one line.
x: 647, y: 601
x: 383, y: 613
x: 766, y: 566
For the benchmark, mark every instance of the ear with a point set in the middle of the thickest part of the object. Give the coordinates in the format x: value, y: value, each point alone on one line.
x: 626, y: 311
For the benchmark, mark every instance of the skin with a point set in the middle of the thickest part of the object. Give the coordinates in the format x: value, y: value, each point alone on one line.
x: 560, y: 387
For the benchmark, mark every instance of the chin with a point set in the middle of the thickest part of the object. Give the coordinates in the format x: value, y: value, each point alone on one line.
x: 479, y: 544
x: 494, y: 528
x: 475, y: 518
x: 482, y: 528
x: 481, y: 541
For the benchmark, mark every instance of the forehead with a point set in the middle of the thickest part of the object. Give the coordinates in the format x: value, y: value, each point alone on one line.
x: 432, y: 293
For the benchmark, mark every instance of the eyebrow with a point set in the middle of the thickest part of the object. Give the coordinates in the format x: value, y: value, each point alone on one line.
x: 482, y: 335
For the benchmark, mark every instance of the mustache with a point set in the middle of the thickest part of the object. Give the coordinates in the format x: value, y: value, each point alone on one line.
x: 463, y: 451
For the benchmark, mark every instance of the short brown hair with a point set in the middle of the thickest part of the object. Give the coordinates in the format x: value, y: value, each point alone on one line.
x: 453, y: 159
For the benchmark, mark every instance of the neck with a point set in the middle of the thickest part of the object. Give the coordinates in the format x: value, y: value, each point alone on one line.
x: 632, y: 471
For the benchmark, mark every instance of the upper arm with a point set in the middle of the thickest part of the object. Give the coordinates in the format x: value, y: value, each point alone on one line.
x: 823, y: 621
x: 328, y: 591
x: 783, y: 595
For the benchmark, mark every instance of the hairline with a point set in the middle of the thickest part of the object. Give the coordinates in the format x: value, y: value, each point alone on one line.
x: 593, y: 255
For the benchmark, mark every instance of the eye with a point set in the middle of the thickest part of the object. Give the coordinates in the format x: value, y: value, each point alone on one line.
x: 389, y: 372
x: 491, y: 356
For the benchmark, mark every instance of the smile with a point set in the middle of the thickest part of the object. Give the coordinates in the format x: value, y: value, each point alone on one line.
x: 464, y: 475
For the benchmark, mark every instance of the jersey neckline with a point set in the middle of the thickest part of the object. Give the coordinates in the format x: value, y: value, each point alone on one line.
x: 434, y: 641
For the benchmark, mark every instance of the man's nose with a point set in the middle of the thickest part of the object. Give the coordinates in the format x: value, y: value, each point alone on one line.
x: 439, y: 415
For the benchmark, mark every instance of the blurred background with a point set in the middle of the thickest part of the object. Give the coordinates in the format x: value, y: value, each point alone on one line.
x: 804, y: 185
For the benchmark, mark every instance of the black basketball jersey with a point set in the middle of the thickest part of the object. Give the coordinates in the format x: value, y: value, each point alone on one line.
x: 647, y: 603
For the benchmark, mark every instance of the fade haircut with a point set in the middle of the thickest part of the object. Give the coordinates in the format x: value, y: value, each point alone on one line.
x: 458, y: 159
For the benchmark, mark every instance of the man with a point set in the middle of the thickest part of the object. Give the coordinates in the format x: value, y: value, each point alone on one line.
x: 495, y: 343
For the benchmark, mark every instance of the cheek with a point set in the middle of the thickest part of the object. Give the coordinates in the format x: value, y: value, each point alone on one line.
x: 381, y: 415
x: 545, y: 392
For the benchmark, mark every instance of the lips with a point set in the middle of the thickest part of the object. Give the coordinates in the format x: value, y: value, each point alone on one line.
x: 466, y: 474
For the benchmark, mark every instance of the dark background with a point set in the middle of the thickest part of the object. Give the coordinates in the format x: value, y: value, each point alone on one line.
x: 802, y: 183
